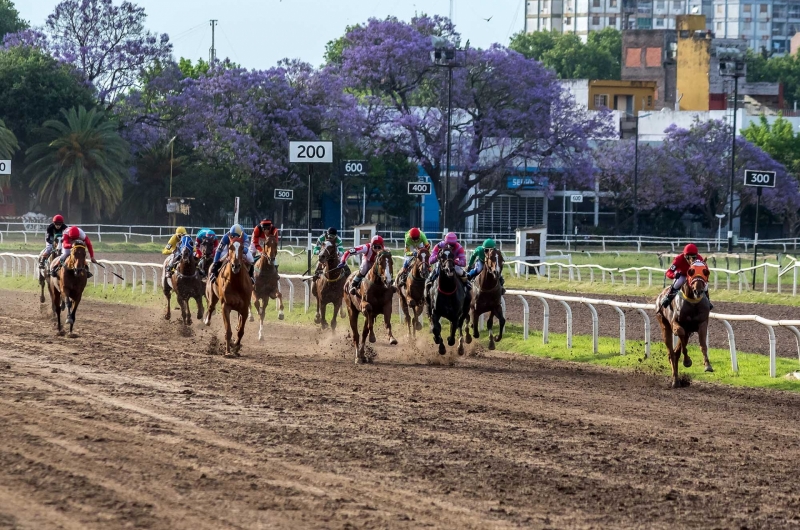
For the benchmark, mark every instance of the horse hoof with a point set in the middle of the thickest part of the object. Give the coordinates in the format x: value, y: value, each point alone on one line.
x: 61, y: 333
x: 469, y: 339
x: 491, y: 344
x: 393, y: 341
x: 676, y: 384
x: 372, y: 338
x: 41, y: 299
x: 280, y: 315
x: 437, y: 340
x: 260, y: 338
x: 418, y: 326
x: 451, y: 341
x: 442, y: 349
x: 460, y: 349
x: 317, y: 320
x: 324, y: 325
x: 167, y: 316
x: 477, y: 334
x: 708, y: 368
x: 251, y: 319
x: 687, y: 362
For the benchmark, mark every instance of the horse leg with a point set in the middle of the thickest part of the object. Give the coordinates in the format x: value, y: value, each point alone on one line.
x: 353, y: 316
x: 368, y: 321
x: 501, y: 322
x: 436, y: 328
x: 371, y: 326
x: 168, y: 296
x: 683, y: 344
x: 451, y: 338
x: 250, y: 308
x: 702, y: 335
x: 55, y: 295
x: 404, y: 308
x: 226, y: 321
x: 41, y: 284
x: 674, y: 357
x: 475, y: 319
x: 257, y: 304
x: 239, y: 334
x: 279, y: 296
x: 387, y: 321
x: 336, y: 308
x: 199, y: 301
x: 212, y: 303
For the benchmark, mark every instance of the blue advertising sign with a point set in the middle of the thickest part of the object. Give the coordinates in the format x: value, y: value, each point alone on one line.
x: 516, y: 182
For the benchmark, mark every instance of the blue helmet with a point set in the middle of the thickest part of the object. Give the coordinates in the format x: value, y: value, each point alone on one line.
x: 187, y: 241
x: 236, y: 230
x: 210, y: 234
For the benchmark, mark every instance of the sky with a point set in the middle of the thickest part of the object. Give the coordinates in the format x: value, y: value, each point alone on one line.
x: 258, y: 33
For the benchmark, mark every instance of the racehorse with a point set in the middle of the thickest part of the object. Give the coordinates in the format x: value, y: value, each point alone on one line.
x: 266, y: 288
x: 233, y: 289
x: 44, y: 273
x: 412, y: 290
x: 186, y: 282
x: 374, y: 297
x: 327, y: 289
x: 687, y: 314
x: 447, y: 297
x: 206, y: 258
x: 68, y: 286
x: 487, y: 297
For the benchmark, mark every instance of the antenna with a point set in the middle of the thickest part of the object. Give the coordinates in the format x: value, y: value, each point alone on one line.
x: 212, y: 52
x: 451, y: 11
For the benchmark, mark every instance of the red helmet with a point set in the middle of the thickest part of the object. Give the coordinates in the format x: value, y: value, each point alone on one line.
x: 74, y: 232
x: 690, y: 250
x: 58, y: 219
x: 266, y: 222
x: 414, y: 233
x: 377, y: 241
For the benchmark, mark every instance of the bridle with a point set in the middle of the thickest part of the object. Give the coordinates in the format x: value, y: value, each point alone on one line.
x: 383, y: 267
x: 421, y: 265
x: 236, y: 248
x: 329, y: 258
x: 76, y: 259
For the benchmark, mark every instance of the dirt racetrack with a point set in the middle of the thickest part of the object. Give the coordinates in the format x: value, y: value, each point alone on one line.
x: 134, y: 424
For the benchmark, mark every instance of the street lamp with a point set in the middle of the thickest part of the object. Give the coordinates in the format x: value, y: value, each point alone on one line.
x: 636, y: 175
x: 720, y: 216
x: 732, y: 64
x: 444, y: 55
x: 171, y: 145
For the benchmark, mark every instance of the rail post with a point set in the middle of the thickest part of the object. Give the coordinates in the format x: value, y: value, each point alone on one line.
x: 545, y: 321
x: 525, y: 317
x: 595, y: 327
x: 796, y: 333
x: 646, y: 319
x: 621, y: 330
x: 568, y: 311
x: 731, y: 346
x: 307, y: 297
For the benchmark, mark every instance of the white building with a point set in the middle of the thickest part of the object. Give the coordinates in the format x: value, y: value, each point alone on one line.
x: 764, y: 24
x: 584, y: 16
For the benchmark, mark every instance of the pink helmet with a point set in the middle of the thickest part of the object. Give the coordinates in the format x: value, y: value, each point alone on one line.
x: 451, y: 238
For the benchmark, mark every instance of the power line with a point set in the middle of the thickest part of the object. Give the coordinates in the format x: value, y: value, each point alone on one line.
x: 230, y: 44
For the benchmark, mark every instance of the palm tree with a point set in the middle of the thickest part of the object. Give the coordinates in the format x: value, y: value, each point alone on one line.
x: 8, y: 146
x: 82, y: 161
x: 144, y: 196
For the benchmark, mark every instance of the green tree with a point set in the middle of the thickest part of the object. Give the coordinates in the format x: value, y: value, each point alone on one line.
x: 144, y: 194
x: 8, y: 146
x: 777, y: 69
x: 569, y: 57
x: 81, y: 162
x: 193, y: 70
x: 9, y: 19
x: 777, y: 139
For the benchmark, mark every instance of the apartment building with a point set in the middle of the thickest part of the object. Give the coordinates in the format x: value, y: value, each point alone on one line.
x: 584, y: 16
x: 765, y: 24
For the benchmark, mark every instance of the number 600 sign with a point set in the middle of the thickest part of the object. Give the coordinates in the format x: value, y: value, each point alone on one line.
x: 311, y: 152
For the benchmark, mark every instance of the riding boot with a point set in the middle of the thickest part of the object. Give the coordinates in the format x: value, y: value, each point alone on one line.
x: 251, y: 269
x: 356, y: 283
x: 56, y: 265
x: 43, y: 261
x: 200, y: 265
x: 214, y: 270
x: 668, y: 299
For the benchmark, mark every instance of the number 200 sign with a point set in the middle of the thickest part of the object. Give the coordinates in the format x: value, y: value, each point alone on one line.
x: 311, y: 152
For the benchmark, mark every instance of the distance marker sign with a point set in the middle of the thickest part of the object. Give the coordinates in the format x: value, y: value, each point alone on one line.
x: 420, y: 188
x: 761, y: 179
x: 284, y: 195
x: 311, y: 152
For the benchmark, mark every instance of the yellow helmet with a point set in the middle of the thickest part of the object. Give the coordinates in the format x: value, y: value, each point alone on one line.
x: 181, y: 231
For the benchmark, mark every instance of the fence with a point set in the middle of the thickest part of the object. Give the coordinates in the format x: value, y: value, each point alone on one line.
x: 29, y: 262
x: 34, y: 227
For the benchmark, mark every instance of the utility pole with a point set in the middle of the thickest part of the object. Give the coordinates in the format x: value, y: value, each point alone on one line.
x: 212, y: 53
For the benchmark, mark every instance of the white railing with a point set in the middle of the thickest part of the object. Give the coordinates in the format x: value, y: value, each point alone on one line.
x: 299, y: 237
x: 27, y: 265
x: 573, y: 273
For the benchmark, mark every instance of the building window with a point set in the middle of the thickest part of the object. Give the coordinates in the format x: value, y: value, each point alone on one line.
x: 748, y: 8
x: 660, y: 5
x: 595, y: 3
x: 719, y: 27
x: 659, y: 22
x: 595, y: 21
x: 677, y: 5
x: 794, y: 11
x: 600, y: 100
x: 545, y: 5
x: 649, y: 101
x: 762, y: 26
x: 747, y: 26
x: 720, y: 9
x: 568, y: 21
x: 633, y: 57
x: 612, y: 21
x: 652, y: 57
x: 612, y: 3
x: 763, y: 8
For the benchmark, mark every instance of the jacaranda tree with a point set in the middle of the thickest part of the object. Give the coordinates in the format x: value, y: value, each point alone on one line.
x: 108, y: 43
x: 509, y: 111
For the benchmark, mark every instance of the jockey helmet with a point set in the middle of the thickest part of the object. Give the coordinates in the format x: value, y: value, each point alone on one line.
x: 377, y: 242
x: 451, y: 238
x: 332, y: 231
x: 414, y: 233
x: 236, y: 230
x: 489, y: 243
x: 73, y: 232
x: 181, y: 231
x: 187, y: 241
x: 690, y: 250
x: 58, y: 219
x: 266, y: 223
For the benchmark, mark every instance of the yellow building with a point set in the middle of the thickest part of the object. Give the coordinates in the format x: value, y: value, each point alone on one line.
x: 626, y: 96
x: 693, y: 62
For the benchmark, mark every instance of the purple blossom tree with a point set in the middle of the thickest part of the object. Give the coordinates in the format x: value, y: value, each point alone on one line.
x: 108, y: 43
x: 509, y: 112
x: 699, y: 162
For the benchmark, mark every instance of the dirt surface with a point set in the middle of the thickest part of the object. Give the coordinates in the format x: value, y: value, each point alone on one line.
x: 136, y: 422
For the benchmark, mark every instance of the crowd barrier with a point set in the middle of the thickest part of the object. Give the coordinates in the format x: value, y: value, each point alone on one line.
x: 27, y: 265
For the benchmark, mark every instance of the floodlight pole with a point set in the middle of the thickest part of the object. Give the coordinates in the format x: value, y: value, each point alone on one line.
x: 733, y: 162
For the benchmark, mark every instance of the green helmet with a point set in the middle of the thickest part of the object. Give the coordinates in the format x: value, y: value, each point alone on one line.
x: 489, y: 243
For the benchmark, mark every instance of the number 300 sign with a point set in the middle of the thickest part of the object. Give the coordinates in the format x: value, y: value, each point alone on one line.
x: 311, y: 152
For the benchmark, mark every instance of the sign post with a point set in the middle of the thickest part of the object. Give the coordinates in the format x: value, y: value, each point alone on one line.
x: 419, y: 189
x: 236, y: 210
x: 310, y: 153
x: 760, y: 180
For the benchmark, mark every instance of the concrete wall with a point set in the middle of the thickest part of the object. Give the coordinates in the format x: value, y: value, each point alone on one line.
x: 694, y: 58
x: 639, y: 49
x: 651, y: 128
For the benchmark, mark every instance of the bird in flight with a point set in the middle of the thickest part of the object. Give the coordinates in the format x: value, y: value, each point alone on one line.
x: 488, y: 19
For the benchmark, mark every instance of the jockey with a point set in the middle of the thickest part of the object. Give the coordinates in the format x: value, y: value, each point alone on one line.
x: 205, y: 235
x: 369, y: 252
x: 450, y: 240
x: 415, y: 239
x: 261, y: 232
x: 71, y: 236
x: 235, y: 231
x: 53, y: 234
x: 478, y: 259
x: 172, y: 248
x: 332, y: 236
x: 679, y: 270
